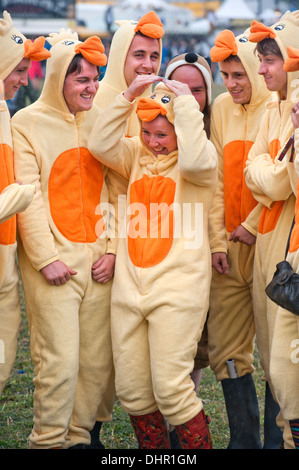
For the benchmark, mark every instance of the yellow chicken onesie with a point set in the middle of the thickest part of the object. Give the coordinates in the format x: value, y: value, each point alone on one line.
x: 231, y: 328
x: 284, y: 353
x: 269, y: 181
x: 161, y: 287
x: 13, y: 196
x: 69, y: 323
x: 113, y: 83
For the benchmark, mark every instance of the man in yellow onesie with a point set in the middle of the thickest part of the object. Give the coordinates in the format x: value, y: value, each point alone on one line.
x: 234, y: 218
x: 136, y: 49
x: 284, y: 353
x: 157, y: 314
x: 268, y: 177
x: 66, y: 258
x: 16, y: 53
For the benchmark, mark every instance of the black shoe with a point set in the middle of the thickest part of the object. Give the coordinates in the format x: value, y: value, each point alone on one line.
x: 95, y: 442
x: 174, y: 440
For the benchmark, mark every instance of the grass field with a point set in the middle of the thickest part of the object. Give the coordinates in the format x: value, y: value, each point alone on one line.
x: 17, y: 401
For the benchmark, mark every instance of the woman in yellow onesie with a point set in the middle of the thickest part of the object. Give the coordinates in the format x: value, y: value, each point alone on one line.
x: 157, y: 312
x: 233, y: 222
x: 66, y: 259
x: 284, y: 354
x: 268, y: 177
x: 16, y: 54
x: 136, y: 48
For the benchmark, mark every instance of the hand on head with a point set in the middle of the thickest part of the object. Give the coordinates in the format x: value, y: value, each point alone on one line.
x: 139, y: 85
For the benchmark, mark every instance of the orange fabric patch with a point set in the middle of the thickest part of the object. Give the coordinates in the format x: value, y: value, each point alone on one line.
x: 151, y: 227
x: 150, y: 25
x: 7, y: 228
x: 225, y: 46
x: 294, y: 242
x: 148, y: 109
x: 92, y: 50
x: 35, y: 50
x: 269, y: 217
x: 258, y: 32
x: 292, y: 63
x: 238, y: 198
x: 75, y: 186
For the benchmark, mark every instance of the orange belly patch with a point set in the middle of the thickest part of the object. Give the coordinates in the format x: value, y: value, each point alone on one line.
x: 151, y: 227
x: 75, y: 186
x: 7, y: 228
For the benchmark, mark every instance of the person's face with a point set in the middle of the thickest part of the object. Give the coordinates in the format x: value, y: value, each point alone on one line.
x: 16, y: 78
x: 142, y: 58
x: 80, y: 88
x: 236, y: 81
x: 193, y: 77
x: 271, y: 68
x: 159, y: 136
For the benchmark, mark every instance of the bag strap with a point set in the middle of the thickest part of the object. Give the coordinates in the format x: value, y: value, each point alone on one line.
x: 287, y: 146
x: 289, y: 238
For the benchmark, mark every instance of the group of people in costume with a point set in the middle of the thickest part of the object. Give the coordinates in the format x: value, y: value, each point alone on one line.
x: 149, y: 220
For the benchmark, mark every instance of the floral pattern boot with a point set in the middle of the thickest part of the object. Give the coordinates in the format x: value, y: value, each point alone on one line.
x: 151, y: 431
x: 195, y: 433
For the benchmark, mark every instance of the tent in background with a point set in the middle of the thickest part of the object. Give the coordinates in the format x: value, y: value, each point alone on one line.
x: 234, y: 11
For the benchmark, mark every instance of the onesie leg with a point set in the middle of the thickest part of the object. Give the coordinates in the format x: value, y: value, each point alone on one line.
x: 195, y: 433
x: 242, y: 412
x: 10, y: 321
x: 151, y: 431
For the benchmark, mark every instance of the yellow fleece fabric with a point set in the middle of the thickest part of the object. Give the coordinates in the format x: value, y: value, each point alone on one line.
x: 268, y: 179
x: 157, y: 313
x: 233, y: 131
x: 13, y: 198
x: 69, y: 324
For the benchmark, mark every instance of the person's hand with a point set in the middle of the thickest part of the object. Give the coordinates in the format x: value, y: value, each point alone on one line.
x: 219, y: 262
x: 103, y: 269
x: 139, y: 85
x: 57, y: 273
x: 295, y: 115
x: 240, y: 234
x: 178, y: 88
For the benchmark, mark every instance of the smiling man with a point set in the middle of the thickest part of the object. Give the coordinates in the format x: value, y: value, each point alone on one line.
x: 66, y: 264
x: 234, y: 217
x: 136, y: 49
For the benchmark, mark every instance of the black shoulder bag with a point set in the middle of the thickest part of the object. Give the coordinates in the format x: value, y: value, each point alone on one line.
x: 284, y: 287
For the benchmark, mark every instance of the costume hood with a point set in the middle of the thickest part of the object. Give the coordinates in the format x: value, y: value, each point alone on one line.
x: 114, y: 81
x: 15, y: 47
x: 286, y: 33
x: 227, y: 44
x: 65, y: 45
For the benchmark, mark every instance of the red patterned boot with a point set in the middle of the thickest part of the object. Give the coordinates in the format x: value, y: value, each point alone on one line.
x: 195, y: 433
x: 151, y: 431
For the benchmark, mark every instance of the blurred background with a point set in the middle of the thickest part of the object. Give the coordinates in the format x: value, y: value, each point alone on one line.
x: 189, y: 25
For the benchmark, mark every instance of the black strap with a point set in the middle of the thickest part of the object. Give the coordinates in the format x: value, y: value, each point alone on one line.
x: 288, y: 243
x: 284, y: 151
